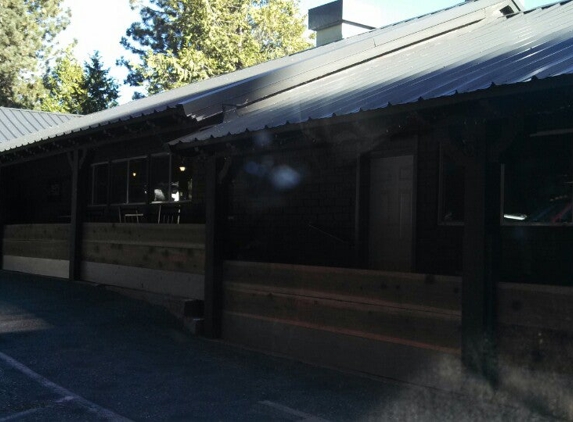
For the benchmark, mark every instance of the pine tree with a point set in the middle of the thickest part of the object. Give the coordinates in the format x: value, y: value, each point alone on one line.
x: 182, y: 41
x: 72, y: 88
x: 64, y: 83
x: 27, y: 32
x: 102, y: 90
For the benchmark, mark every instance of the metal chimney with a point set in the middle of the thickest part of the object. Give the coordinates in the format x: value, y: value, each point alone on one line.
x: 336, y: 21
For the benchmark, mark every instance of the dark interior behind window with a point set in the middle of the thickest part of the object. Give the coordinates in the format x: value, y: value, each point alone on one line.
x: 181, y: 180
x: 538, y: 181
x: 119, y: 182
x: 138, y: 180
x: 100, y: 182
x: 159, y: 177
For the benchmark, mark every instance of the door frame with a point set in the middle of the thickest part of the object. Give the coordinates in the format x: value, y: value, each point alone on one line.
x: 406, y: 145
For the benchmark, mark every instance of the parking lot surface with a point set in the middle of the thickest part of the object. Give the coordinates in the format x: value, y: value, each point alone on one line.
x: 78, y: 352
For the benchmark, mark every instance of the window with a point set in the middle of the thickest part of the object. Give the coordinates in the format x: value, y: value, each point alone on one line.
x: 159, y: 177
x: 100, y: 176
x: 452, y: 190
x: 181, y: 180
x: 137, y: 189
x: 126, y: 181
x: 538, y: 181
x: 119, y: 182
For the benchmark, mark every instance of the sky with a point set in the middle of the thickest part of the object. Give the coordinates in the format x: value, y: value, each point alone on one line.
x: 99, y: 25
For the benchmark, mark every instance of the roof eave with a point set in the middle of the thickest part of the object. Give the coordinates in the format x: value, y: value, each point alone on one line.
x: 87, y: 137
x: 493, y: 92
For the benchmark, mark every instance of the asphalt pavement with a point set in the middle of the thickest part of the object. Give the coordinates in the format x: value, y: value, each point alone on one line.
x: 77, y: 352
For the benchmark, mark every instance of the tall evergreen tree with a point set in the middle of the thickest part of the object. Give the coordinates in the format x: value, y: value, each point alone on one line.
x: 27, y: 32
x: 182, y: 41
x: 102, y: 89
x: 72, y: 88
x: 64, y: 84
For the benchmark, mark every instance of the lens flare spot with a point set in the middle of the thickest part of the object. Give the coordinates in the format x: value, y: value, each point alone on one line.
x: 263, y: 139
x: 285, y: 177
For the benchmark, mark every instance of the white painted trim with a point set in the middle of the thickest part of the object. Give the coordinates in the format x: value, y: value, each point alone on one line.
x: 40, y: 266
x: 173, y: 283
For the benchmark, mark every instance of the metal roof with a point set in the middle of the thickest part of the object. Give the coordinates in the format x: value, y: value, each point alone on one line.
x: 497, y: 50
x: 16, y: 122
x: 277, y: 78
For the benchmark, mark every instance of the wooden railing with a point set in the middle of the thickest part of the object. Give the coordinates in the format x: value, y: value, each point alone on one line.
x: 166, y: 247
x: 160, y: 258
x: 535, y: 326
x: 414, y: 309
x: 48, y: 241
x: 535, y: 323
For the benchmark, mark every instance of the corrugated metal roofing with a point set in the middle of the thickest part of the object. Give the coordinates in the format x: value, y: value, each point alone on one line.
x: 210, y: 97
x: 15, y: 123
x: 499, y: 50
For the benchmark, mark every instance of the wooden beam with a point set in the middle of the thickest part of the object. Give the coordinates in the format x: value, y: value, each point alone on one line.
x: 216, y: 213
x: 79, y: 167
x: 3, y: 204
x: 481, y: 256
x: 361, y: 210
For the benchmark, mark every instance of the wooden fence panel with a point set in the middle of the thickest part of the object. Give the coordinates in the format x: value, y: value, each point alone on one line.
x: 536, y: 326
x: 46, y: 241
x: 177, y: 247
x: 414, y: 309
x: 187, y: 234
x: 440, y: 330
x: 442, y: 292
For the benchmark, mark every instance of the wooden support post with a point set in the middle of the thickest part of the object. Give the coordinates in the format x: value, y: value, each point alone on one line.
x: 361, y: 210
x: 77, y: 159
x: 481, y: 261
x: 3, y: 212
x: 216, y: 213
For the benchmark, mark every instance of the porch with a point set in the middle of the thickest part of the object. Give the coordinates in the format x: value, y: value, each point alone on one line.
x: 404, y: 326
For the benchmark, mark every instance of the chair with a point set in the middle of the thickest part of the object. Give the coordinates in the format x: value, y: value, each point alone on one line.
x: 169, y: 214
x: 130, y: 215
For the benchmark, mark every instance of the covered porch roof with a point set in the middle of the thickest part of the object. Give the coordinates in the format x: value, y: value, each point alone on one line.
x: 339, y: 78
x: 487, y: 53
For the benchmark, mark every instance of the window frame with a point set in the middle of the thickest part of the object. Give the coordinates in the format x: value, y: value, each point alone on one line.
x: 128, y: 160
x: 93, y: 183
x: 504, y: 222
x: 441, y: 193
x: 163, y: 154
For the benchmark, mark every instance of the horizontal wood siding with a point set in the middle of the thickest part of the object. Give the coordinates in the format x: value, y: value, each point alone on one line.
x: 157, y: 258
x: 536, y: 326
x: 177, y: 247
x: 47, y: 241
x: 413, y: 309
x: 401, y: 288
x: 398, y: 324
x: 189, y: 234
x: 535, y: 323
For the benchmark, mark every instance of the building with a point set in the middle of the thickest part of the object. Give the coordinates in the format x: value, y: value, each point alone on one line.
x: 15, y: 123
x: 381, y: 203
